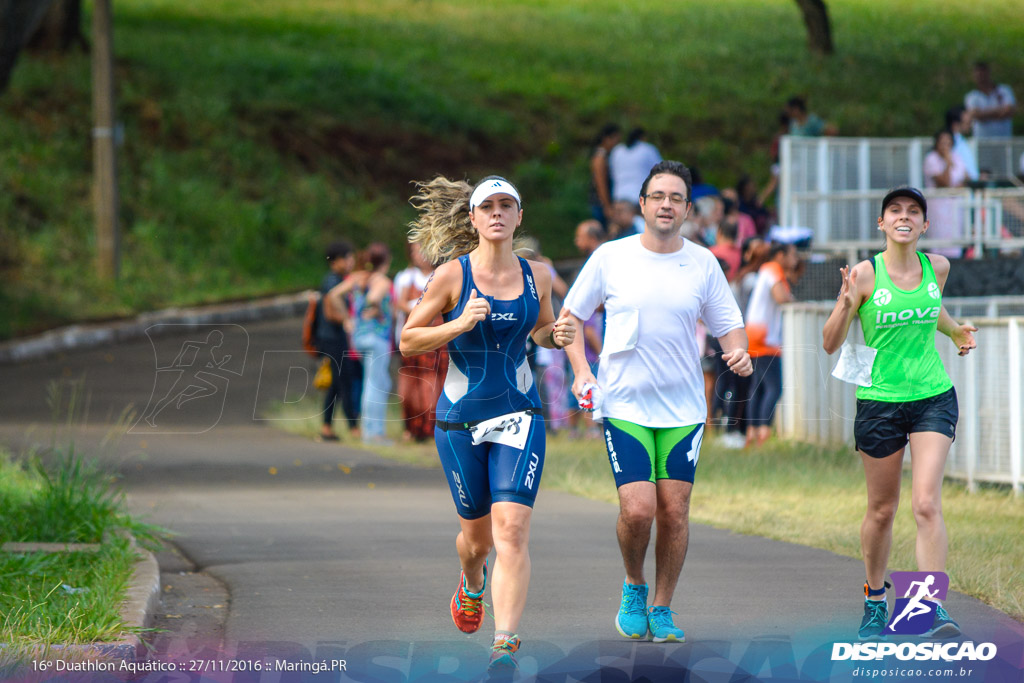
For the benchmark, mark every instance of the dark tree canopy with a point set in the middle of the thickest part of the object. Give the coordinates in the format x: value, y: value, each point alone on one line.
x: 43, y: 24
x: 60, y: 28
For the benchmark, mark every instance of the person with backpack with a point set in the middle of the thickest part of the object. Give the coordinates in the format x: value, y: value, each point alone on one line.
x: 331, y: 328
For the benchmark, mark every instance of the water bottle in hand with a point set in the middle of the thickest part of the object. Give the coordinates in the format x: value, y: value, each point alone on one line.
x: 590, y: 399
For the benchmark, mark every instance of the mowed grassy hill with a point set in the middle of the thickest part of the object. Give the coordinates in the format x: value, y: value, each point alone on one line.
x: 255, y: 131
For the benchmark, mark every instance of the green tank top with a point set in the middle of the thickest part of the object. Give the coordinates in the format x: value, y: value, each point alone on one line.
x: 901, y: 325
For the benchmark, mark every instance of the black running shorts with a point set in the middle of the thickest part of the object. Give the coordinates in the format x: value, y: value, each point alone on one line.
x: 882, y: 428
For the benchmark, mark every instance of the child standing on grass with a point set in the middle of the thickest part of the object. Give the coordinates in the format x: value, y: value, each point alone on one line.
x: 906, y: 395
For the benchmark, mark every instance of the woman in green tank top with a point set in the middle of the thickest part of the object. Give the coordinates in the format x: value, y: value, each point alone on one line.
x: 898, y: 298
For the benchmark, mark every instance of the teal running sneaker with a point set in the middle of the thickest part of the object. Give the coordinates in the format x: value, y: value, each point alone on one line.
x: 659, y: 620
x: 876, y: 616
x: 503, y: 662
x: 631, y: 621
x: 944, y: 626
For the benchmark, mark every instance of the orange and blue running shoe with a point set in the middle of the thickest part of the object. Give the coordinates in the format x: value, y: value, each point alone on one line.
x: 468, y: 608
x: 503, y: 655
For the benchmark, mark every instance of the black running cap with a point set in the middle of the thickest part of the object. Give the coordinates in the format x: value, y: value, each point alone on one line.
x: 910, y: 193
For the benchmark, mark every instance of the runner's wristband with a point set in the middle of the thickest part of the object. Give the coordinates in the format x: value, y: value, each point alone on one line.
x: 551, y: 336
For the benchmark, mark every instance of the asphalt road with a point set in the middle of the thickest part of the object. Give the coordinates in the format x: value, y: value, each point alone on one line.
x: 327, y: 551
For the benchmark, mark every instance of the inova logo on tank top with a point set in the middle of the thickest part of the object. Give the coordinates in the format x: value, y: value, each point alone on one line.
x: 906, y: 316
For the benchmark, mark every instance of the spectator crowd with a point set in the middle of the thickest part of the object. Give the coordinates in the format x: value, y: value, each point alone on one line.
x: 360, y: 311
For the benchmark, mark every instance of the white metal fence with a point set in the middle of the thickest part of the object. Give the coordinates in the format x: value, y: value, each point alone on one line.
x: 834, y: 185
x: 989, y: 446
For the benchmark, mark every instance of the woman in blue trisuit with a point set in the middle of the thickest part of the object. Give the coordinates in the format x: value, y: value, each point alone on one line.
x: 490, y: 431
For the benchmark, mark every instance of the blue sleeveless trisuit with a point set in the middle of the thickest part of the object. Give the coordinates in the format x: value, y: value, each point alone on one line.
x: 489, y: 376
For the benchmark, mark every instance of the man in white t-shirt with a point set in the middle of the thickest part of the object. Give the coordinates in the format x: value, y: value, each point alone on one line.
x: 629, y: 163
x: 654, y: 286
x: 991, y: 106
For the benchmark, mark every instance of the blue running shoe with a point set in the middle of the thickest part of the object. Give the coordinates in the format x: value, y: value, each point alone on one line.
x: 631, y: 621
x: 944, y: 626
x: 663, y: 630
x: 876, y: 616
x: 503, y: 662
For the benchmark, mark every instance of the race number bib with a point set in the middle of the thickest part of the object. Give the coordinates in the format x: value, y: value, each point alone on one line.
x: 508, y: 430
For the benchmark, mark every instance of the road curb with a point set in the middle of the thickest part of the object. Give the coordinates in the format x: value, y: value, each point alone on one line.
x: 93, y: 335
x: 140, y: 604
x: 141, y: 599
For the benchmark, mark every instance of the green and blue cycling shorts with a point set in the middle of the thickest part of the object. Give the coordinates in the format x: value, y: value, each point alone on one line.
x: 638, y: 453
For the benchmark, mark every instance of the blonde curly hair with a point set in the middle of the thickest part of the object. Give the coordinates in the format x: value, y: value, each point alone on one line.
x: 443, y: 230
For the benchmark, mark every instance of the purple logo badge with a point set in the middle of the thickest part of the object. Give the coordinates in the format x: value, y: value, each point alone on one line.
x: 916, y: 593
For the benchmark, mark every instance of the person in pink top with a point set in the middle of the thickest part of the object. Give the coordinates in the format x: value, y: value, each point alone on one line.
x: 726, y: 248
x: 943, y: 168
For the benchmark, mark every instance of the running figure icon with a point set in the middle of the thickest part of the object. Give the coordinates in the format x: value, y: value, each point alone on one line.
x: 197, y: 382
x: 915, y: 607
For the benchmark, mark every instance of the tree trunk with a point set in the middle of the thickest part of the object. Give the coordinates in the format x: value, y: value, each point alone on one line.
x: 60, y: 28
x: 18, y: 20
x: 104, y: 147
x: 819, y: 30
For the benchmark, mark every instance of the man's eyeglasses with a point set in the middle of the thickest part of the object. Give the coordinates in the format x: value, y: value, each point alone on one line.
x: 659, y: 197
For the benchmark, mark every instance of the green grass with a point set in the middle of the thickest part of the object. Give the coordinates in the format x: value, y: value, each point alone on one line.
x: 64, y: 597
x: 70, y: 500
x: 257, y: 131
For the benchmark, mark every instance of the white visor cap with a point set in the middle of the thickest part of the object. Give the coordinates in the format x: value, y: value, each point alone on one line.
x: 489, y: 189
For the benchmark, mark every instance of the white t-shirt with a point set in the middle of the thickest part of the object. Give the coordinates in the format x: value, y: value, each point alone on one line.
x: 650, y: 370
x: 762, y: 309
x: 629, y: 167
x: 404, y: 278
x: 997, y: 128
